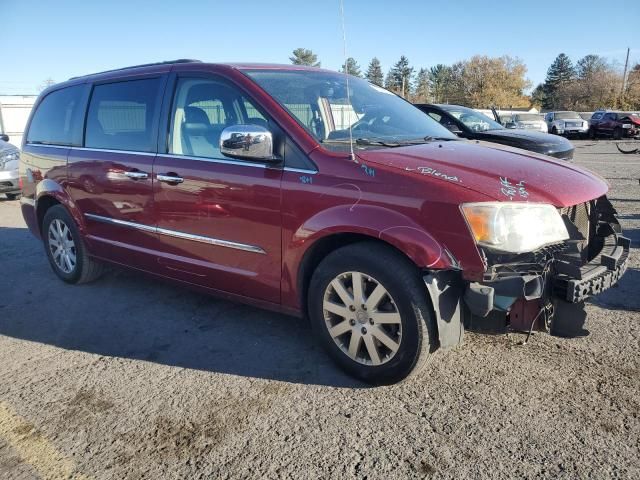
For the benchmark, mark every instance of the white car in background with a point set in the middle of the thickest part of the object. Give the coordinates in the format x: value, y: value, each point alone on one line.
x: 526, y: 121
x: 566, y: 123
x: 9, y: 158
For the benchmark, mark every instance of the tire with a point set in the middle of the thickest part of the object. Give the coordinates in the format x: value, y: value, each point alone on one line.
x: 554, y: 130
x: 13, y: 196
x: 57, y: 224
x: 409, y: 322
x: 617, y: 133
x: 592, y: 133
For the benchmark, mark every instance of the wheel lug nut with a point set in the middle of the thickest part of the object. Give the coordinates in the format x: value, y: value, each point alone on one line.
x: 352, y: 308
x: 364, y: 330
x: 371, y: 321
x: 364, y: 307
x: 352, y: 322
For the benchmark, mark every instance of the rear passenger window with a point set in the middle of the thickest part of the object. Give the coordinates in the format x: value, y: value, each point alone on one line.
x: 58, y: 118
x: 123, y: 116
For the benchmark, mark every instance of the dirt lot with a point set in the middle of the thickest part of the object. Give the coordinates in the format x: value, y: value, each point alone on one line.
x: 131, y: 378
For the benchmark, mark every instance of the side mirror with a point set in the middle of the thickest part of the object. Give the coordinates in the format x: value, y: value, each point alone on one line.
x: 510, y: 125
x: 249, y: 142
x: 4, y: 137
x: 453, y: 128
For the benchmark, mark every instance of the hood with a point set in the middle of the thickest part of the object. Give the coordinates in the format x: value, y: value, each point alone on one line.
x: 501, y: 173
x: 535, y: 141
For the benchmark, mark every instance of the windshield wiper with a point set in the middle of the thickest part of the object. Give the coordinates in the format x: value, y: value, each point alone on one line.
x: 430, y: 138
x: 368, y: 141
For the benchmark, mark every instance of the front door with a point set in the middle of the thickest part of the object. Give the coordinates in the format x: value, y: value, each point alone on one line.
x: 218, y: 219
x: 110, y: 178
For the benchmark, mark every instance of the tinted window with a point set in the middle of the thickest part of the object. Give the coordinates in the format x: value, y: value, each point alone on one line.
x: 58, y: 118
x: 122, y: 116
x: 202, y: 108
x: 610, y: 116
x: 596, y: 116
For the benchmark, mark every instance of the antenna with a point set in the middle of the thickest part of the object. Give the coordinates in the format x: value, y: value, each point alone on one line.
x: 352, y: 155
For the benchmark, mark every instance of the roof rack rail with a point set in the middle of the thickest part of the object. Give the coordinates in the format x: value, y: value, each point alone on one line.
x: 167, y: 62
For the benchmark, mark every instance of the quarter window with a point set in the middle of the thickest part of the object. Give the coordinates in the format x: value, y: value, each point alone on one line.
x: 202, y: 109
x: 58, y: 118
x: 123, y: 116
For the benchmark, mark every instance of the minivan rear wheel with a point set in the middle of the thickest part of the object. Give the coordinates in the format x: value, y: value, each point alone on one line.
x: 65, y: 250
x: 368, y: 307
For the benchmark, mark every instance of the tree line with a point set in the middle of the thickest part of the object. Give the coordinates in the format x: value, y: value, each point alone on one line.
x: 481, y: 82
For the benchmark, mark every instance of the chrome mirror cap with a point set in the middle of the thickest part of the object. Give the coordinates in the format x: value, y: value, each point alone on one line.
x: 251, y: 142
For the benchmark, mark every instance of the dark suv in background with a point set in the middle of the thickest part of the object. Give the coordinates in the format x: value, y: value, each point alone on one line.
x: 616, y: 124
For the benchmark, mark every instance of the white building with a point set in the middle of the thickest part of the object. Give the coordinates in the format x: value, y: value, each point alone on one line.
x: 14, y: 113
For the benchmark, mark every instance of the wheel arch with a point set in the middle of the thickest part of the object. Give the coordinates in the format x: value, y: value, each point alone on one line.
x: 338, y: 227
x: 50, y: 193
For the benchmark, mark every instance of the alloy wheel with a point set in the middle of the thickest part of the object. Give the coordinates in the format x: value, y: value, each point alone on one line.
x: 62, y: 246
x: 362, y: 318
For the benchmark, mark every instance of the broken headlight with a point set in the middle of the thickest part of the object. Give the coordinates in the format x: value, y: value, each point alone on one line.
x: 514, y: 227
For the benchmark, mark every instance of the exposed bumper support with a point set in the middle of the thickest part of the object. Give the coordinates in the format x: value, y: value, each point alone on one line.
x: 446, y: 288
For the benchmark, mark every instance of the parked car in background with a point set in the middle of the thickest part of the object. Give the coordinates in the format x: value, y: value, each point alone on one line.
x: 387, y: 232
x: 468, y: 123
x: 614, y: 124
x: 528, y: 121
x: 9, y: 160
x: 566, y: 123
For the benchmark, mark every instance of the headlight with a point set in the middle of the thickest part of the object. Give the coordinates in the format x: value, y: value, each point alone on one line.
x: 8, y: 157
x: 514, y: 227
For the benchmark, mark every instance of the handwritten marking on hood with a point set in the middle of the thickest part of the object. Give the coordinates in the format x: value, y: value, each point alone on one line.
x: 434, y: 173
x: 369, y: 170
x: 511, y: 190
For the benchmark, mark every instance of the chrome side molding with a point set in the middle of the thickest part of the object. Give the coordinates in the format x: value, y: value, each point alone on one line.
x: 176, y: 234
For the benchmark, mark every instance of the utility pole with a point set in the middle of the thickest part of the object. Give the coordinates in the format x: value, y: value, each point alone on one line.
x: 624, y: 77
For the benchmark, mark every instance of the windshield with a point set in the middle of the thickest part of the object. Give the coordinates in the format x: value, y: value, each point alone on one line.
x: 319, y: 102
x: 528, y: 117
x: 567, y: 116
x: 472, y: 119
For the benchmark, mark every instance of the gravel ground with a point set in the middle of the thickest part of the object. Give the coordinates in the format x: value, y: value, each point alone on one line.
x: 131, y: 378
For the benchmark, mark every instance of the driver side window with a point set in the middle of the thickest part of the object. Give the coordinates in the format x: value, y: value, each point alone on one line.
x: 202, y: 109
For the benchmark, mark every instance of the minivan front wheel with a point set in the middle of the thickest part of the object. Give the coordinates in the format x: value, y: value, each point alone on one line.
x: 369, y: 308
x: 65, y: 249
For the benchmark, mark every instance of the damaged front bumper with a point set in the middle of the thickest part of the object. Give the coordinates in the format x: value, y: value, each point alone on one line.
x: 544, y: 290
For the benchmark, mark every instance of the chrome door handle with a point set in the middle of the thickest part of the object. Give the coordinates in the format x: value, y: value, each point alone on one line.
x: 169, y: 178
x: 137, y: 175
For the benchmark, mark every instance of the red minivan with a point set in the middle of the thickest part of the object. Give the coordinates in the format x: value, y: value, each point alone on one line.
x: 315, y: 194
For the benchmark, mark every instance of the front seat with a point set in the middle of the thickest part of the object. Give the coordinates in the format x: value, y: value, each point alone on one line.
x: 197, y: 133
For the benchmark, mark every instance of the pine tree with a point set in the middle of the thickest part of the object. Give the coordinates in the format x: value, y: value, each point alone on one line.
x: 304, y: 56
x: 390, y: 82
x: 422, y: 93
x: 374, y: 72
x: 559, y: 77
x: 402, y: 74
x: 440, y: 78
x: 351, y: 67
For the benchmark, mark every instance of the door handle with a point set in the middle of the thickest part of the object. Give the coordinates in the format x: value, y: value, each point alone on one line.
x: 137, y: 175
x: 169, y: 178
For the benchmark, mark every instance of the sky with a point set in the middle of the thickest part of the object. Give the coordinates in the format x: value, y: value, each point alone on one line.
x: 65, y: 38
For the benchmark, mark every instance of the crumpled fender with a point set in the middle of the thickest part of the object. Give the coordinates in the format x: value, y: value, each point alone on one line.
x: 376, y: 222
x: 51, y: 188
